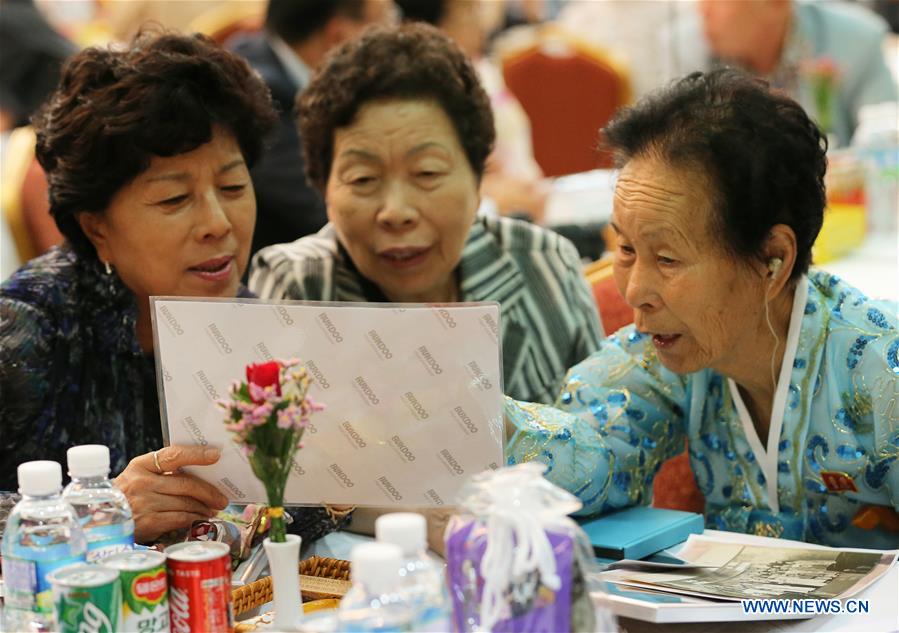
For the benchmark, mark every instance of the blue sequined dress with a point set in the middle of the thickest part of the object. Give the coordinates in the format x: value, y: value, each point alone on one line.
x: 620, y: 414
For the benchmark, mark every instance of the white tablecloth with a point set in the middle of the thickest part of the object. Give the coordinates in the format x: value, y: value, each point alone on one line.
x: 873, y: 268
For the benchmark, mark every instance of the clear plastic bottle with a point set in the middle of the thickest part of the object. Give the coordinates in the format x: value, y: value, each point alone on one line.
x: 421, y: 579
x: 374, y: 603
x: 42, y: 534
x: 876, y: 142
x: 102, y: 508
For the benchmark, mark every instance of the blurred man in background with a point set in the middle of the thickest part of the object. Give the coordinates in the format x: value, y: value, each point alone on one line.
x: 826, y: 55
x: 31, y: 54
x: 297, y: 36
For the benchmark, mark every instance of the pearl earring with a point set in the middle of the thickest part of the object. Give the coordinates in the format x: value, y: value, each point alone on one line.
x: 108, y: 268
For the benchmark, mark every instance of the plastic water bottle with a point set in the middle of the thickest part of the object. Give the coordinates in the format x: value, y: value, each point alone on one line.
x: 421, y: 579
x: 374, y: 602
x: 42, y: 534
x: 102, y: 509
x: 876, y: 141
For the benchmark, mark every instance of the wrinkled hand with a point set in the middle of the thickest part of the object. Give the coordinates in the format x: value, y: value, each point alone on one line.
x: 169, y: 500
x: 363, y: 522
x: 438, y: 518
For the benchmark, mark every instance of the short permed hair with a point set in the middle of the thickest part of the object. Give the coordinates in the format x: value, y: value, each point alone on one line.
x: 412, y: 61
x: 115, y: 109
x: 759, y: 150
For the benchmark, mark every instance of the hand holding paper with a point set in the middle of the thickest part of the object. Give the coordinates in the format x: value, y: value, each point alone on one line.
x: 166, y: 499
x: 413, y: 393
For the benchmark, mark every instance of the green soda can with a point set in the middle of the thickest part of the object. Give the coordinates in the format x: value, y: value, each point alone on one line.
x: 86, y: 599
x: 144, y: 590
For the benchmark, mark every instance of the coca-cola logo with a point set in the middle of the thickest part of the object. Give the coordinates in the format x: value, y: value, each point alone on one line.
x: 179, y: 609
x: 149, y: 587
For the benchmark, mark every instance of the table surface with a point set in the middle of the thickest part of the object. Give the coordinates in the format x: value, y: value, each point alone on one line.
x: 873, y: 267
x: 882, y: 596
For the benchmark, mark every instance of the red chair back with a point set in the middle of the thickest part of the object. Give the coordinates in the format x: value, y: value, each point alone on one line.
x: 569, y: 90
x: 674, y: 486
x: 614, y: 312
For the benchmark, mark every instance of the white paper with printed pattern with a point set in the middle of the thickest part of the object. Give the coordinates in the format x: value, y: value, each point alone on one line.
x: 413, y: 393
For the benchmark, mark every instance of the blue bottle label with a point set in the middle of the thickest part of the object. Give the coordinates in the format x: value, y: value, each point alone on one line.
x: 431, y: 618
x: 97, y: 550
x: 105, y: 540
x: 26, y: 585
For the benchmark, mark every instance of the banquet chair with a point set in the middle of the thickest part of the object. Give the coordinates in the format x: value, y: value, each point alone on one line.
x: 674, y: 486
x: 569, y: 90
x: 614, y: 312
x: 17, y: 160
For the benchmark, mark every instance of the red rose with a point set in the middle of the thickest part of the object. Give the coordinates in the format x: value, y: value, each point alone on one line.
x: 265, y: 374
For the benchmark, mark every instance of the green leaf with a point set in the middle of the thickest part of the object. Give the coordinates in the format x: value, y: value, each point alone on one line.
x: 243, y: 393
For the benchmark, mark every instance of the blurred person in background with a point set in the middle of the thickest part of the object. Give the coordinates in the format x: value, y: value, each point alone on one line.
x: 636, y: 33
x: 147, y: 151
x: 123, y: 19
x: 513, y: 179
x: 826, y: 55
x: 888, y: 10
x: 297, y: 36
x: 32, y: 53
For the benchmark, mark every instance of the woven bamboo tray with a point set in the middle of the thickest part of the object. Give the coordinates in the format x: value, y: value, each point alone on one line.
x: 319, y: 578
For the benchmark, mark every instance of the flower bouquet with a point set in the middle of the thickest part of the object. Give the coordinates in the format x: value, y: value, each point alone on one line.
x: 267, y: 415
x: 822, y: 74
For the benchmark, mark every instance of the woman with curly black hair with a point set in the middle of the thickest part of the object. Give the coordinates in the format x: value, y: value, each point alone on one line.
x: 147, y: 152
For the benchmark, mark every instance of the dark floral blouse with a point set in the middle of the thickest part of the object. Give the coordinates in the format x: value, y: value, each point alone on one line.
x: 72, y: 371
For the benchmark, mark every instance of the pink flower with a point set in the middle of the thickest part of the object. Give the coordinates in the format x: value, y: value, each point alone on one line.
x: 259, y: 415
x: 261, y: 394
x: 238, y: 426
x: 312, y: 405
x: 285, y: 418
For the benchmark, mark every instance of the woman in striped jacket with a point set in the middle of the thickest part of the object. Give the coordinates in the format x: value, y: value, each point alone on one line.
x: 396, y: 131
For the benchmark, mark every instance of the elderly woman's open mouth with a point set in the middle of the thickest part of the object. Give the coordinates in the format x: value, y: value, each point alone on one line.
x: 404, y: 257
x: 665, y: 341
x: 215, y: 269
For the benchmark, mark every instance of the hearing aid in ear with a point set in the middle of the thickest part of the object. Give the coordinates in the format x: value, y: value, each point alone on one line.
x: 774, y: 265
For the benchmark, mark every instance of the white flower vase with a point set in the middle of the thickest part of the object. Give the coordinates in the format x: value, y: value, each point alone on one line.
x: 283, y: 562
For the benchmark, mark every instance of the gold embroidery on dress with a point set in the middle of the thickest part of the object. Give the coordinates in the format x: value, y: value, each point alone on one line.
x: 765, y: 528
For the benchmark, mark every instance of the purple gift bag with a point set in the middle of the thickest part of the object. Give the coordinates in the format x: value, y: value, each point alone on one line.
x: 515, y: 561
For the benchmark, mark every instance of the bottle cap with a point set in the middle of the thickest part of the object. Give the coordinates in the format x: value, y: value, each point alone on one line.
x: 376, y: 565
x: 88, y: 460
x: 40, y: 478
x: 408, y: 530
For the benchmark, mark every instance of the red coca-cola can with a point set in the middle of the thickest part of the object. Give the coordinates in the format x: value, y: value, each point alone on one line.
x: 199, y: 587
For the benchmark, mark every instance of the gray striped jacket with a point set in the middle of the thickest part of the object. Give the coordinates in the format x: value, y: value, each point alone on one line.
x: 549, y: 319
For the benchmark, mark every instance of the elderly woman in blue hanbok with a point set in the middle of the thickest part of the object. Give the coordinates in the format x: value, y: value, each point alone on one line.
x: 784, y: 380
